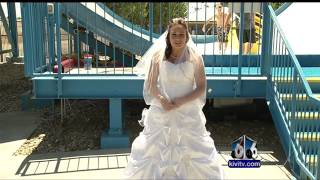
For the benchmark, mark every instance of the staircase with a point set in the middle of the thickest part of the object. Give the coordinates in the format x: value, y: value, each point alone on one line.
x: 294, y: 102
x: 302, y: 116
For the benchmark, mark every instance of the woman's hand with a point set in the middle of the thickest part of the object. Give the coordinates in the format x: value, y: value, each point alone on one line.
x: 166, y: 104
x: 178, y: 102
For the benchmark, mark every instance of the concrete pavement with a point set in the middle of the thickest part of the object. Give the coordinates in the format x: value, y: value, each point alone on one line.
x: 95, y: 164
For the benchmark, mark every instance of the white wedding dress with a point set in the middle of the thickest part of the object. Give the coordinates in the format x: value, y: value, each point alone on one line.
x: 174, y: 144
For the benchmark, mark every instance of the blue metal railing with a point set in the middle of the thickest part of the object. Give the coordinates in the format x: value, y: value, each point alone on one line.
x: 9, y: 40
x: 117, y: 43
x: 299, y: 108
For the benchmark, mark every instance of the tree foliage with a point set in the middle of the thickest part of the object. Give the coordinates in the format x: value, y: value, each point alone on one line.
x: 276, y: 5
x: 138, y: 13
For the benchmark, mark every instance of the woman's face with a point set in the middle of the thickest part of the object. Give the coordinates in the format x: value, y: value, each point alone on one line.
x: 178, y: 36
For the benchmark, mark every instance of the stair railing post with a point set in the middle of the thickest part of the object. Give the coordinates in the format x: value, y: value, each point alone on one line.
x: 13, y: 28
x: 267, y: 41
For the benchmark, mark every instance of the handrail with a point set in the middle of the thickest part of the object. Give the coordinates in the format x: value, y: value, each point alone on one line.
x: 294, y: 57
x: 305, y: 87
x: 282, y: 8
x: 198, y: 39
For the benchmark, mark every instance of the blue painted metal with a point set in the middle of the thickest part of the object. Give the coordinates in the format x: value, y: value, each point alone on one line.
x: 126, y: 23
x: 104, y: 87
x: 108, y: 141
x: 115, y: 137
x: 284, y: 133
x: 115, y: 110
x: 33, y: 36
x: 287, y: 68
x: 6, y: 27
x: 115, y: 57
x: 309, y: 60
x: 58, y: 37
x: 233, y: 83
x: 51, y: 37
x: 197, y: 39
x: 13, y: 28
x: 282, y: 8
x: 151, y: 22
x: 42, y: 10
x: 27, y: 102
x: 27, y: 31
x: 266, y: 36
x: 100, y: 47
x: 239, y: 89
x: 117, y: 35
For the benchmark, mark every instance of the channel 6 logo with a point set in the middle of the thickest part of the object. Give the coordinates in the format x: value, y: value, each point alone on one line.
x: 244, y: 148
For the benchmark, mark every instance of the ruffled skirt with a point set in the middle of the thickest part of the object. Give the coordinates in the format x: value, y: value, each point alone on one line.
x: 174, y: 145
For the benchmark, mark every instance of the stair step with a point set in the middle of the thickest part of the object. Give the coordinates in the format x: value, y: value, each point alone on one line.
x: 313, y: 71
x: 311, y: 159
x: 304, y: 115
x: 307, y: 145
x: 307, y: 136
x: 287, y: 104
x: 313, y: 79
x: 283, y: 86
x: 299, y: 123
x: 288, y: 97
x: 289, y: 79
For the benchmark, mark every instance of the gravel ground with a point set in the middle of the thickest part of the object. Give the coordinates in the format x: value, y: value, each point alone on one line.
x: 85, y: 120
x: 12, y: 85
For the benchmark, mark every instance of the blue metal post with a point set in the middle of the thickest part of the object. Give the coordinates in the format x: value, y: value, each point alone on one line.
x: 115, y: 137
x: 6, y: 26
x: 151, y: 21
x: 13, y: 27
x: 28, y: 14
x: 51, y: 37
x: 58, y: 22
x: 266, y: 41
x: 238, y: 87
x: 40, y: 30
x: 318, y: 165
x: 266, y: 46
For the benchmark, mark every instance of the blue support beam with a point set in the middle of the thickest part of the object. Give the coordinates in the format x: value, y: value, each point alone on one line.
x: 239, y: 86
x: 151, y: 21
x: 105, y: 87
x: 51, y: 36
x: 115, y: 88
x: 266, y: 46
x: 27, y: 31
x: 6, y: 26
x: 33, y: 30
x: 13, y: 28
x: 115, y: 137
x: 58, y: 37
x: 266, y: 41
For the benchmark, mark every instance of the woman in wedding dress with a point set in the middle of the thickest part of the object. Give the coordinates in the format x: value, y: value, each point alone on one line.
x: 174, y: 143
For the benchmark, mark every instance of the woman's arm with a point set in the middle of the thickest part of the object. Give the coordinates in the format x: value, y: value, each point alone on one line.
x: 153, y: 89
x: 200, y: 80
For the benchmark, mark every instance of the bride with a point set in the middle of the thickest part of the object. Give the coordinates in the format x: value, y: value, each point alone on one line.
x: 174, y: 142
